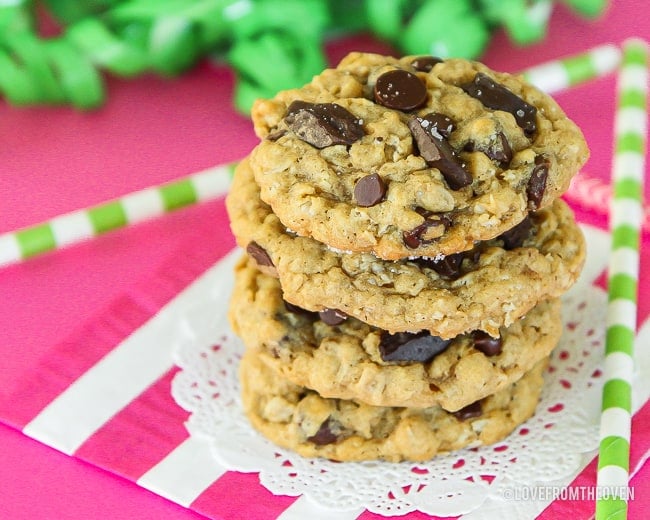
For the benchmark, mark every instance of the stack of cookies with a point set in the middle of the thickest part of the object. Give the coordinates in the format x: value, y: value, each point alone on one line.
x: 405, y: 251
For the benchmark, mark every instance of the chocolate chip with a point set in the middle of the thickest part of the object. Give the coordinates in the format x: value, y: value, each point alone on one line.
x: 323, y: 124
x: 497, y: 97
x: 401, y: 90
x: 425, y: 63
x: 332, y: 316
x: 470, y: 411
x: 404, y: 346
x: 487, y: 344
x: 369, y: 190
x: 537, y: 182
x: 438, y: 153
x: 259, y: 254
x: 427, y: 232
x: 324, y: 435
x: 516, y: 236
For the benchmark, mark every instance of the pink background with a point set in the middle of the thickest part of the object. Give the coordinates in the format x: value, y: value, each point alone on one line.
x: 151, y: 131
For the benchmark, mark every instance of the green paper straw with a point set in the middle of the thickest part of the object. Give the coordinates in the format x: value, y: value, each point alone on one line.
x: 626, y: 216
x: 87, y: 223
x: 557, y: 75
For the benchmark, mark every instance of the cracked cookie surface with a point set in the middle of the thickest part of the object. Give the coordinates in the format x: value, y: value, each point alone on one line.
x: 347, y: 359
x: 299, y: 419
x: 462, y: 164
x: 488, y: 292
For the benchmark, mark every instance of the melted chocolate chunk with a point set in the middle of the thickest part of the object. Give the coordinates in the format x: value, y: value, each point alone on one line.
x: 516, y: 236
x: 487, y: 344
x: 537, y: 182
x: 369, y: 190
x: 332, y: 316
x: 427, y: 232
x: 420, y: 347
x: 438, y: 153
x: 470, y: 411
x: 401, y: 90
x: 324, y: 435
x: 259, y: 254
x: 497, y: 97
x: 425, y: 63
x: 323, y: 124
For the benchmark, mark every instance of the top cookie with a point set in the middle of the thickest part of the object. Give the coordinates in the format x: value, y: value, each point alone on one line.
x: 413, y: 156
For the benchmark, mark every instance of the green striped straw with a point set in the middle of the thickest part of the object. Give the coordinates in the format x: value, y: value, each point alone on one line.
x: 626, y: 215
x: 557, y: 75
x: 136, y: 207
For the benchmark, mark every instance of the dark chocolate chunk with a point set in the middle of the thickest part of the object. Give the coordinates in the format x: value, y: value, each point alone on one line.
x: 498, y: 149
x: 324, y: 435
x: 401, y: 90
x: 323, y: 124
x: 497, y: 97
x: 537, y: 182
x: 448, y: 266
x: 419, y: 347
x: 298, y: 310
x: 425, y: 63
x: 487, y: 344
x: 516, y: 236
x: 469, y: 412
x: 438, y: 153
x: 332, y: 316
x: 433, y: 227
x: 438, y: 123
x: 259, y: 254
x: 369, y: 190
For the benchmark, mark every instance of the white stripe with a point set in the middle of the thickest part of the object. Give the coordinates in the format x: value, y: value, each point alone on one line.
x: 72, y: 227
x: 621, y: 312
x: 633, y: 77
x: 628, y: 165
x: 212, y: 183
x: 606, y: 58
x: 626, y: 212
x: 619, y: 365
x: 143, y: 205
x: 615, y: 422
x: 549, y: 77
x: 631, y: 120
x: 624, y: 260
x: 613, y: 476
x: 9, y: 249
x: 136, y: 363
x: 304, y: 508
x: 185, y: 473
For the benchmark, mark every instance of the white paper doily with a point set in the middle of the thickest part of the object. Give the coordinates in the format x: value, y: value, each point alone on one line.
x: 548, y: 448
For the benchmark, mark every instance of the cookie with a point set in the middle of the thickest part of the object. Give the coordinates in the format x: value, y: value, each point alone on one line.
x: 402, y: 158
x: 341, y: 357
x: 299, y: 419
x: 487, y: 288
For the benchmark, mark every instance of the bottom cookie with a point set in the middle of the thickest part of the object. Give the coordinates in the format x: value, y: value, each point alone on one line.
x: 301, y: 420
